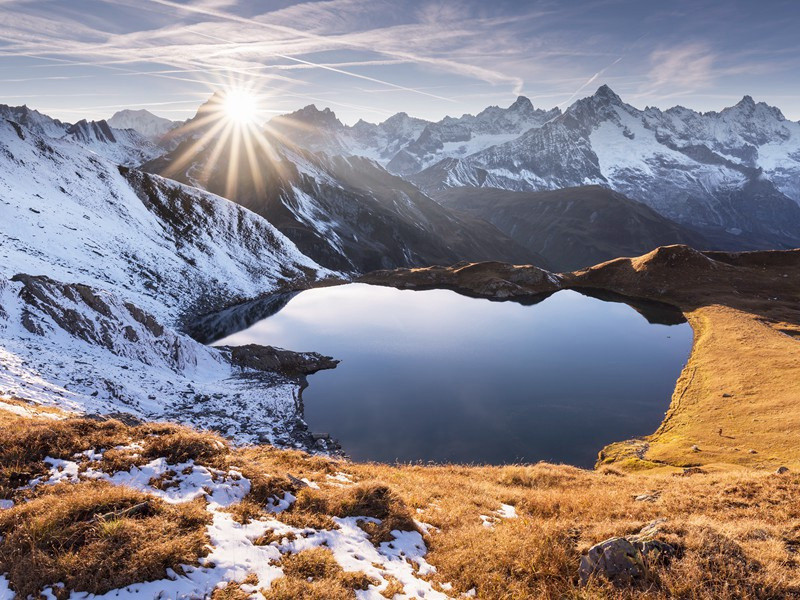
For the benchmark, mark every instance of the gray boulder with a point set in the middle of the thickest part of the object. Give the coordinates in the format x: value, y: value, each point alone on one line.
x: 625, y: 560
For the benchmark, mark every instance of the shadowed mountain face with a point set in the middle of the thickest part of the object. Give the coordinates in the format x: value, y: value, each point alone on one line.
x: 349, y: 214
x: 574, y: 227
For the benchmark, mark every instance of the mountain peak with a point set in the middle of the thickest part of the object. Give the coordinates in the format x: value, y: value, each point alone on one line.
x: 604, y: 92
x: 311, y: 115
x: 521, y: 104
x: 746, y: 102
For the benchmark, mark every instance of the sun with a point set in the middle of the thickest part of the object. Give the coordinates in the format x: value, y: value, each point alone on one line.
x: 241, y: 106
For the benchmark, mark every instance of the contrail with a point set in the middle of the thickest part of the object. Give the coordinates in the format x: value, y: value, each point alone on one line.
x: 294, y: 32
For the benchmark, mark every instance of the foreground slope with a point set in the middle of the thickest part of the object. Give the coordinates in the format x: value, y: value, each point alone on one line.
x: 158, y: 511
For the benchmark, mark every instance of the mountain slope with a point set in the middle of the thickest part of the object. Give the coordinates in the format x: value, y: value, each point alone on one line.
x: 346, y: 213
x: 102, y: 266
x: 69, y: 214
x: 574, y: 227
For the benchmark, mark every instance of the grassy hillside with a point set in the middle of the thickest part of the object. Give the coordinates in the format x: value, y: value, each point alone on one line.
x: 736, y: 531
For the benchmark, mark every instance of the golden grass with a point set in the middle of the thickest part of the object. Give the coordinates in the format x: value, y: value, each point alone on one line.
x: 314, y: 574
x: 95, y: 537
x: 743, y: 378
x: 737, y: 531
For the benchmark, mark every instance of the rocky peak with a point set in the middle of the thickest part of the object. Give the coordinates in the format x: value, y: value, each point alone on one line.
x: 311, y: 115
x: 605, y: 94
x: 85, y: 131
x: 521, y: 104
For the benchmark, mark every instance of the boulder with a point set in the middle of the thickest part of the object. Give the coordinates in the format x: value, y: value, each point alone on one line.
x: 625, y: 560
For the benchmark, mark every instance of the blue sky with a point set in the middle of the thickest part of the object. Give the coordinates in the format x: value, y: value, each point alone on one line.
x: 371, y: 58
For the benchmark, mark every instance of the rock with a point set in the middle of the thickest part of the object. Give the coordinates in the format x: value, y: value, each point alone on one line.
x: 751, y: 451
x: 268, y: 358
x: 695, y: 448
x: 299, y: 483
x: 625, y: 560
x: 652, y: 497
x: 615, y: 559
x: 782, y: 470
x: 689, y: 471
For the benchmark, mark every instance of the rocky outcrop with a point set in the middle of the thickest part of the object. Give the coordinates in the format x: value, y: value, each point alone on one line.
x: 269, y: 358
x: 493, y: 280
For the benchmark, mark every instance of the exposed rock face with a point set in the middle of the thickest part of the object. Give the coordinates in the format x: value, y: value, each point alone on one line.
x: 268, y: 358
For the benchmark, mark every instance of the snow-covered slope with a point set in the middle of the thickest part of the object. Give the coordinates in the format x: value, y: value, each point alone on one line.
x: 90, y: 351
x: 101, y: 266
x: 120, y: 145
x: 71, y: 215
x: 142, y: 121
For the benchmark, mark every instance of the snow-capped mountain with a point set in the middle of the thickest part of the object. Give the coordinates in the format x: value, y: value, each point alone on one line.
x: 322, y: 131
x: 347, y: 213
x: 123, y: 146
x: 405, y: 144
x: 144, y: 122
x: 34, y: 120
x: 733, y: 172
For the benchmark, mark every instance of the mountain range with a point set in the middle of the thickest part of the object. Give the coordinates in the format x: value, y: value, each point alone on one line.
x: 410, y: 192
x: 733, y: 174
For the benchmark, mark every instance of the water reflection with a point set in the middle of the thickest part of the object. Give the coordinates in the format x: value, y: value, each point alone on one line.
x: 437, y: 376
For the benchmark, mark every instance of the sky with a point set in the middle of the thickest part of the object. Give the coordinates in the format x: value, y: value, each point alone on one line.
x: 369, y: 59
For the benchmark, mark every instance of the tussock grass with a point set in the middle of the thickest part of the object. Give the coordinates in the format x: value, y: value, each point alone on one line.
x: 370, y: 499
x: 315, y: 575
x: 95, y: 537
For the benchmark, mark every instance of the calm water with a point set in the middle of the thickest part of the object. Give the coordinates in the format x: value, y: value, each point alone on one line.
x: 432, y: 375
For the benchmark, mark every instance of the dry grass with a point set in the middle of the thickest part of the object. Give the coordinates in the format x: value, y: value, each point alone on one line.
x: 315, y: 575
x: 95, y: 537
x: 370, y: 499
x: 737, y: 531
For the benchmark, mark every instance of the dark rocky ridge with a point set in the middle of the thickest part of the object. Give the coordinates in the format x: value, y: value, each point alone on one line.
x: 573, y: 228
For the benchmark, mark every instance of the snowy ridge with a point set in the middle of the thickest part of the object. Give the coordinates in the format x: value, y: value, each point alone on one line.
x: 122, y: 146
x: 73, y: 216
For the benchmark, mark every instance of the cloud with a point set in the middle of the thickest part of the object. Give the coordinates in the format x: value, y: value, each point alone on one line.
x: 685, y: 67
